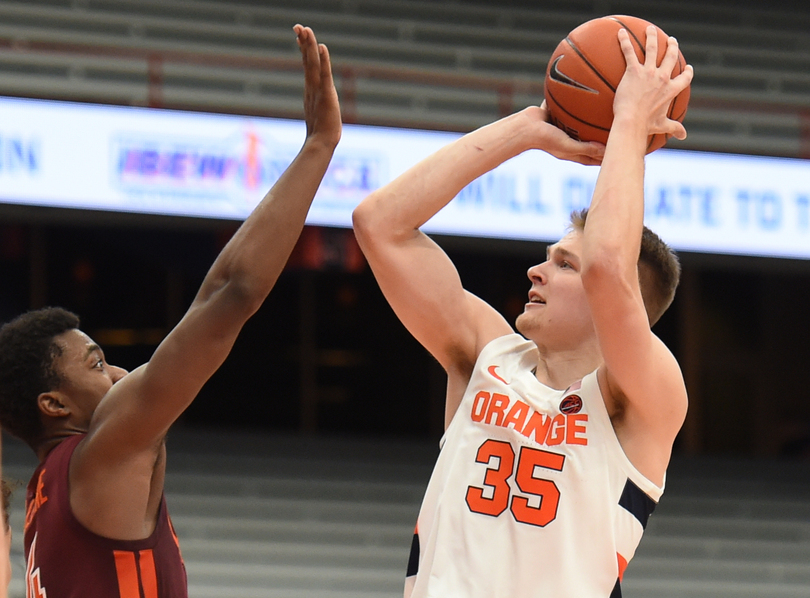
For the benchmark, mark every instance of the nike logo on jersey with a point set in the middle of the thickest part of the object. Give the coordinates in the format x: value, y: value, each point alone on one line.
x: 493, y: 372
x: 557, y: 75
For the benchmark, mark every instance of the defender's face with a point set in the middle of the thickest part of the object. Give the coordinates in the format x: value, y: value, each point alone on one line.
x: 557, y: 301
x: 86, y: 376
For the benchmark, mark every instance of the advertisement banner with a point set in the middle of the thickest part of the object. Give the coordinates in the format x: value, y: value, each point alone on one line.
x: 163, y: 162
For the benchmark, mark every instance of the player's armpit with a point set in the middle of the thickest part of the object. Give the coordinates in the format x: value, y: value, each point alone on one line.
x: 644, y: 393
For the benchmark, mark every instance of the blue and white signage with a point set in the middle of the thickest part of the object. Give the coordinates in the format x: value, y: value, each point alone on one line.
x: 219, y: 166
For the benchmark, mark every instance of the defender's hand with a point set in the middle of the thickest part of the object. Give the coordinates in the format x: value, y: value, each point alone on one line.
x: 321, y: 106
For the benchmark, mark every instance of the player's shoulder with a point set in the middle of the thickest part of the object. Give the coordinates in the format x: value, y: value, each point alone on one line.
x: 509, y: 343
x: 510, y: 352
x: 487, y: 323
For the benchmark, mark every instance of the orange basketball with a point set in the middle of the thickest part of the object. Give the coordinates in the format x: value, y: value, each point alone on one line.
x: 585, y: 69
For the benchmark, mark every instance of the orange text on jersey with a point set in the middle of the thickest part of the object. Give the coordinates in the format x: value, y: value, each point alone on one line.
x: 38, y: 500
x: 498, y: 410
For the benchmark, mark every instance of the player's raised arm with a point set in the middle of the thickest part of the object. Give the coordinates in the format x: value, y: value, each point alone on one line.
x: 136, y: 413
x: 643, y: 379
x: 416, y: 276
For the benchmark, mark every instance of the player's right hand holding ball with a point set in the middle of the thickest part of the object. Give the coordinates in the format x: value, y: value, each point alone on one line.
x: 559, y: 144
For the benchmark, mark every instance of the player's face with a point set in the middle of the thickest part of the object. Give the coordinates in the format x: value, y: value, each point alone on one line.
x: 86, y: 376
x: 557, y: 303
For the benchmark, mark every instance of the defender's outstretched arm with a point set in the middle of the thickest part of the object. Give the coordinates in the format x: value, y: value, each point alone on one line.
x: 128, y: 427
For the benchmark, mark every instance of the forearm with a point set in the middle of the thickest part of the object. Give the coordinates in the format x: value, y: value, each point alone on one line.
x: 255, y: 256
x: 616, y: 217
x: 616, y: 214
x: 405, y: 204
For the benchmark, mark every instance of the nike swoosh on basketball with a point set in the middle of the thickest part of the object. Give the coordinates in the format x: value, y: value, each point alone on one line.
x: 491, y: 369
x: 560, y: 77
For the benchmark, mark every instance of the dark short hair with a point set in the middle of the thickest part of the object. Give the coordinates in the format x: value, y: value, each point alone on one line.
x: 27, y: 355
x: 659, y: 269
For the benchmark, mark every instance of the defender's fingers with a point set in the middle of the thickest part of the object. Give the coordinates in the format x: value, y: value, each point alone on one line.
x: 326, y: 65
x: 310, y: 54
x: 301, y: 35
x: 305, y: 38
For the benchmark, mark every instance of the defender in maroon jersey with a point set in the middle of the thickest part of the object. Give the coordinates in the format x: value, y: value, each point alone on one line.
x: 96, y: 520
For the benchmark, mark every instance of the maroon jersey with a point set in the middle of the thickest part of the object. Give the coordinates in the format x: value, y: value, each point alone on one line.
x: 66, y: 560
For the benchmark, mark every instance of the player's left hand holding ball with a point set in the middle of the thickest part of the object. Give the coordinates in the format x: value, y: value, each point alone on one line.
x: 646, y: 90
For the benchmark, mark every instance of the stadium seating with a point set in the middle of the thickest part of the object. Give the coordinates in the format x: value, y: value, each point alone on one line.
x: 276, y: 516
x: 417, y: 63
x: 291, y: 517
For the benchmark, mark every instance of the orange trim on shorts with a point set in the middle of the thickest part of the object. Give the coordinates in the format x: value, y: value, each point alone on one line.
x: 176, y: 540
x: 148, y: 574
x: 622, y: 565
x: 136, y: 574
x: 127, y: 571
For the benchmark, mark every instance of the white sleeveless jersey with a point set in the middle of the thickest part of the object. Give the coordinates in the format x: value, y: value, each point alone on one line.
x: 532, y: 495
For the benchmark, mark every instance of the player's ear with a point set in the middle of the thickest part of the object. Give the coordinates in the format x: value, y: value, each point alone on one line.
x: 52, y: 404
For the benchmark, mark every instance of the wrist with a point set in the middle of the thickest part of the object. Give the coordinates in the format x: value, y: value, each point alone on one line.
x: 321, y: 143
x: 513, y: 134
x: 630, y: 124
x: 534, y: 128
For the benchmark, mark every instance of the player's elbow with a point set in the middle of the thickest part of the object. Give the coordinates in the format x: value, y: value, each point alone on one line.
x: 241, y: 294
x: 361, y: 217
x: 380, y: 226
x: 602, y: 268
x: 369, y: 222
x: 246, y: 294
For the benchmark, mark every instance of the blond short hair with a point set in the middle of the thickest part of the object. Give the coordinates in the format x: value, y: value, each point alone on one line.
x: 659, y: 269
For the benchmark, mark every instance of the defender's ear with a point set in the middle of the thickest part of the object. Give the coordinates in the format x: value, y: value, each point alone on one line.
x: 51, y: 404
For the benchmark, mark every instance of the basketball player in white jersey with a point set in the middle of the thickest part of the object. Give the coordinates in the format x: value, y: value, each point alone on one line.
x: 558, y: 438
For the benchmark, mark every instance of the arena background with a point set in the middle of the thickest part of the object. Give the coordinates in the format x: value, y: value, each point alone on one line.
x: 324, y: 369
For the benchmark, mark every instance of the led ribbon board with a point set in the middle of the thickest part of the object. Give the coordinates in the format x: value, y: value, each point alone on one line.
x: 164, y: 162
